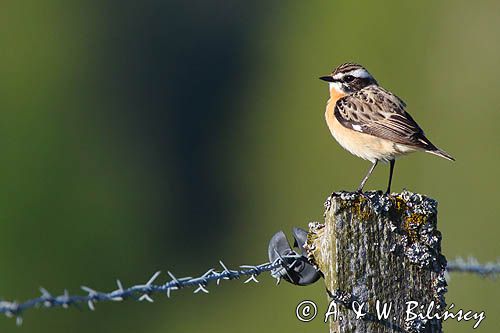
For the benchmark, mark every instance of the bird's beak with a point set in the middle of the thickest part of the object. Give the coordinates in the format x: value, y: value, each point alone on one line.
x: 327, y: 78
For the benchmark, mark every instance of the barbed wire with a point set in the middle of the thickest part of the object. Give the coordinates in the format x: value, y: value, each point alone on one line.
x: 144, y: 292
x: 472, y: 265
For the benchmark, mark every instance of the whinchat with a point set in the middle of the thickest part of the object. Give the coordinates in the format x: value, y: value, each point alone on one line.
x: 370, y: 121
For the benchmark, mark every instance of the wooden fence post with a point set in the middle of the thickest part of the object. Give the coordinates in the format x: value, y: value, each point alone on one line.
x: 375, y: 247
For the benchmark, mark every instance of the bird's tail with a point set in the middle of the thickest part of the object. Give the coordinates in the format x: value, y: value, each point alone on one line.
x: 441, y: 153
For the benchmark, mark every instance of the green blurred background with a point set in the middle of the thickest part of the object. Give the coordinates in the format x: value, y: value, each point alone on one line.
x: 146, y: 135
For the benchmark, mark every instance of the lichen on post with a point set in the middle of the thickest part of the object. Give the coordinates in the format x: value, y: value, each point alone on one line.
x: 376, y: 248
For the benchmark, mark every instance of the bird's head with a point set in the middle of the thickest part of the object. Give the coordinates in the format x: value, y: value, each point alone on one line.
x: 348, y: 78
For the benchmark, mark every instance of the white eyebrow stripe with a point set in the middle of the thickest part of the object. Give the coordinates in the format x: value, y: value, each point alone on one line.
x: 338, y: 76
x: 360, y: 72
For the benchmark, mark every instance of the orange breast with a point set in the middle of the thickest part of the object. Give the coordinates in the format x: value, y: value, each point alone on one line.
x: 335, y: 95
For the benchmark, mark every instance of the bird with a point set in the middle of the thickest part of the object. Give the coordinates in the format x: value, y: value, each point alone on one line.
x: 371, y: 122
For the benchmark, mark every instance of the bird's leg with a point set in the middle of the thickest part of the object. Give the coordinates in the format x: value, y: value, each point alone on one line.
x: 363, y: 182
x: 390, y: 176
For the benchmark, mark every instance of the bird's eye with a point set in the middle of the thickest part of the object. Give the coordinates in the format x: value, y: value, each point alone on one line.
x: 348, y: 78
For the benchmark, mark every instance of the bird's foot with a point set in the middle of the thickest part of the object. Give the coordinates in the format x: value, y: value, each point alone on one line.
x: 360, y: 192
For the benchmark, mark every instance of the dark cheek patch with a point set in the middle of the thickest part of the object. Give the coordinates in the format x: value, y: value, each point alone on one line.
x: 360, y: 83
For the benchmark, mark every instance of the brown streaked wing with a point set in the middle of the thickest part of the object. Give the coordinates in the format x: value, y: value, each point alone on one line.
x: 376, y: 111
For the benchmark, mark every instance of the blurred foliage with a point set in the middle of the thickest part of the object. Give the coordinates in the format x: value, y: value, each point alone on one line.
x: 144, y: 135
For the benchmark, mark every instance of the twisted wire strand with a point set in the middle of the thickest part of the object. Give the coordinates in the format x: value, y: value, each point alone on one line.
x: 472, y: 265
x: 144, y: 292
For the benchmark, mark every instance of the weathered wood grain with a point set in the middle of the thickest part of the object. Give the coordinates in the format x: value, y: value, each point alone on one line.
x: 381, y: 247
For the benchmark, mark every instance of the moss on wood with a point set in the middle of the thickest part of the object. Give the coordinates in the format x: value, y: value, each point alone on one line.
x: 380, y: 247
